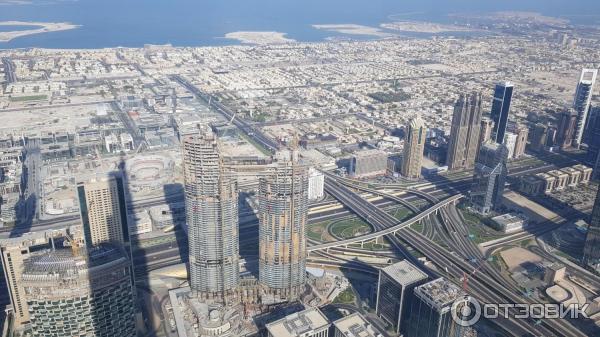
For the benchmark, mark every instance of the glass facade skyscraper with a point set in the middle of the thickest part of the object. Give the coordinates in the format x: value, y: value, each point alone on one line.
x: 501, y: 109
x: 581, y: 102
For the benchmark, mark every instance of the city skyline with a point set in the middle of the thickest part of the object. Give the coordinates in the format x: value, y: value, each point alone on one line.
x: 275, y: 170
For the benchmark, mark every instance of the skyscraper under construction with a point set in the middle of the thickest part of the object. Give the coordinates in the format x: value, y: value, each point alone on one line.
x: 211, y: 201
x: 283, y: 213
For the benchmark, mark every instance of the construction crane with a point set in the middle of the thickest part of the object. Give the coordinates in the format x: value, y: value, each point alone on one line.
x: 465, y: 278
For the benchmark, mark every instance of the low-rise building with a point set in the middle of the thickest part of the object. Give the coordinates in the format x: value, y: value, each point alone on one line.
x: 508, y: 223
x: 532, y: 185
x: 574, y: 176
x: 368, y: 163
x: 308, y: 323
x: 562, y: 179
x: 586, y: 173
x: 549, y: 182
x: 354, y: 325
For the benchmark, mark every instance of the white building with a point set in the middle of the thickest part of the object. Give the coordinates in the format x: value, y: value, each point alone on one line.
x: 510, y: 140
x: 508, y: 223
x: 355, y: 325
x: 111, y: 143
x: 316, y: 184
x: 139, y: 223
x: 308, y: 323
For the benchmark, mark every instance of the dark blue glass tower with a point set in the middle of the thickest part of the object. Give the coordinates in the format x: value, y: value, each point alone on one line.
x: 500, y: 110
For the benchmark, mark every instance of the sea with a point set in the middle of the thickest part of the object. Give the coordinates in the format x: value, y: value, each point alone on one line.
x: 135, y: 23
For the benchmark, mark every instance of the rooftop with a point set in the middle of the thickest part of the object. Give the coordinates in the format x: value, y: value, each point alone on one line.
x: 404, y: 273
x: 440, y: 293
x: 355, y: 325
x: 297, y: 324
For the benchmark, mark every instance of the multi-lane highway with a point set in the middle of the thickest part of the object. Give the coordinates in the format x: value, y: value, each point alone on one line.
x: 482, y: 286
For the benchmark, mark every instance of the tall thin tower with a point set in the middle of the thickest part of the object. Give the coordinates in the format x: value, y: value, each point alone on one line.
x: 581, y: 102
x: 283, y: 213
x: 464, y: 133
x: 414, y: 145
x: 211, y: 202
x: 501, y: 109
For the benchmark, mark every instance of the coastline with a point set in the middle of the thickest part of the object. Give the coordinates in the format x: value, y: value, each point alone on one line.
x: 44, y: 27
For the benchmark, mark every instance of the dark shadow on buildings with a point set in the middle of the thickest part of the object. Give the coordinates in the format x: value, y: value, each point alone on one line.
x: 248, y: 233
x: 174, y: 198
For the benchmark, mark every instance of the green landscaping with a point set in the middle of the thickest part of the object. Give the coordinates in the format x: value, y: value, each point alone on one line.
x: 350, y: 228
x: 346, y: 296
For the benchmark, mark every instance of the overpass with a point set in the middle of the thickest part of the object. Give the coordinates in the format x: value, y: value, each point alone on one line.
x: 391, y: 230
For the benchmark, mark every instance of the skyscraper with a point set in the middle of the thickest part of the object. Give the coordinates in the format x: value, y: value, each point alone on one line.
x: 592, y: 137
x: 539, y: 137
x: 489, y: 177
x: 464, y: 133
x: 581, y: 102
x: 487, y: 127
x: 395, y: 293
x: 591, y: 250
x: 431, y: 310
x: 522, y: 133
x: 567, y: 125
x: 414, y: 145
x: 501, y: 109
x: 103, y: 210
x: 89, y: 294
x: 211, y: 203
x: 17, y: 250
x: 283, y: 213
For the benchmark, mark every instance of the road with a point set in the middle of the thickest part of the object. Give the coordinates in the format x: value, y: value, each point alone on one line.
x: 9, y: 70
x: 481, y: 286
x: 229, y: 115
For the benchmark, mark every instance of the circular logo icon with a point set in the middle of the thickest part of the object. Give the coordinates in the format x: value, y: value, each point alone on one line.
x: 466, y: 311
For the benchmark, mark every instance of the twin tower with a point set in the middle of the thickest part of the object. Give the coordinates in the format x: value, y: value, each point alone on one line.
x: 211, y: 198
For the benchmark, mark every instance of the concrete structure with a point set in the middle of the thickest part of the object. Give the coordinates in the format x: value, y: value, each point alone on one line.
x: 103, y: 210
x: 586, y: 173
x: 487, y: 128
x: 581, y: 102
x: 574, y: 176
x: 489, y: 177
x: 283, y: 214
x: 522, y: 134
x: 308, y: 323
x: 508, y: 223
x: 567, y: 125
x: 14, y: 252
x: 395, y: 293
x: 464, y: 132
x: 211, y: 201
x: 88, y: 294
x: 354, y: 325
x: 562, y: 179
x: 549, y: 182
x: 368, y: 163
x: 430, y: 314
x: 591, y: 250
x: 510, y: 140
x: 532, y: 185
x: 414, y: 144
x: 539, y: 137
x: 316, y: 184
x: 501, y: 109
x: 554, y: 273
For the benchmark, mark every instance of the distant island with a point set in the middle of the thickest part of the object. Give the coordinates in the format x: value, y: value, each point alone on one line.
x: 44, y: 27
x: 259, y: 38
x: 353, y: 29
